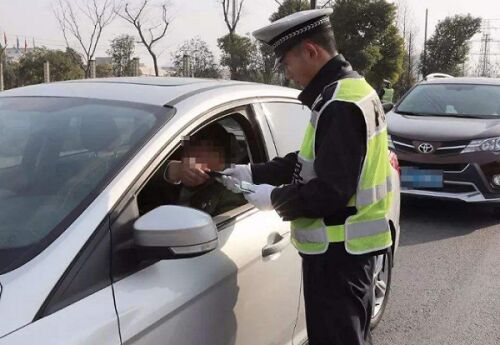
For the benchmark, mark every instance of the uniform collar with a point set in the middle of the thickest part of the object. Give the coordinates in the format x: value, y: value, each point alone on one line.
x: 332, y: 71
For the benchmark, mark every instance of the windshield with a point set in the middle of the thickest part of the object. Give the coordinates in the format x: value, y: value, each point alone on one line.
x: 458, y: 100
x: 56, y: 154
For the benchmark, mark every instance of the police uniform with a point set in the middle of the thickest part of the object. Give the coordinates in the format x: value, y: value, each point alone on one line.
x: 335, y: 191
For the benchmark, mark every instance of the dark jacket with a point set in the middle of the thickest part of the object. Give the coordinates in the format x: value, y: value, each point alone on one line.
x: 210, y: 197
x: 340, y: 149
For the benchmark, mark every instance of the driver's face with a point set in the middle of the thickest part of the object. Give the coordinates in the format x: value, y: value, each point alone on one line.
x: 205, y: 155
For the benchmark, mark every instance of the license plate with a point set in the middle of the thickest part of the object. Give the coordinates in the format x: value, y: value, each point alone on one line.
x: 421, y: 178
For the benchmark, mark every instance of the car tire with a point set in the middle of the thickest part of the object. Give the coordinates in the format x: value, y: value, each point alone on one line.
x: 381, y: 287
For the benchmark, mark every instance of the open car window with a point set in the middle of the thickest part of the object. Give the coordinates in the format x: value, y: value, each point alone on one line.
x: 232, y: 134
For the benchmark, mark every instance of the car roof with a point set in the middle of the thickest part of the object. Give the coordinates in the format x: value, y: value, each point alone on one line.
x: 158, y: 91
x: 463, y: 80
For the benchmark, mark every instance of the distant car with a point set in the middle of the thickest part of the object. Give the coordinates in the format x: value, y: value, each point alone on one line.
x: 91, y: 252
x: 446, y: 133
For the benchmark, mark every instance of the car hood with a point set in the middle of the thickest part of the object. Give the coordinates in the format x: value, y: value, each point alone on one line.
x: 445, y: 128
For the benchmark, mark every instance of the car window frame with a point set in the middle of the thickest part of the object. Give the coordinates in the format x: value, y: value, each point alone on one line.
x: 172, y: 144
x: 125, y: 211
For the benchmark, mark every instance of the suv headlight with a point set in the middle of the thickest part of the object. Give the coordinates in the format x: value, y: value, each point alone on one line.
x: 483, y: 145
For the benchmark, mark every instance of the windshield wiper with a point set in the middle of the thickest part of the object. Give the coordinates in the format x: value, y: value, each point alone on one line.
x: 460, y: 116
x: 406, y: 113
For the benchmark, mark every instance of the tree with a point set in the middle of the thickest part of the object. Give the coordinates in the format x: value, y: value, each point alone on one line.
x: 231, y: 43
x: 104, y: 70
x: 288, y: 7
x: 75, y: 16
x: 362, y: 30
x: 62, y: 66
x: 121, y: 51
x: 265, y: 64
x: 10, y: 72
x: 237, y: 54
x: 201, y: 59
x: 76, y: 58
x: 406, y: 25
x: 447, y: 49
x: 390, y: 65
x: 232, y: 13
x: 149, y: 34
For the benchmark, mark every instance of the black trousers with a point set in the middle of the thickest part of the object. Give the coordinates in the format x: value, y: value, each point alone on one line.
x: 338, y: 296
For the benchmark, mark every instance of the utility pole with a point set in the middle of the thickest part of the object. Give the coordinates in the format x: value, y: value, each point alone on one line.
x: 1, y: 75
x: 92, y: 69
x: 185, y: 65
x: 46, y: 72
x: 135, y: 65
x: 2, y: 51
x: 484, y: 59
x: 409, y: 56
x: 424, y: 65
x: 313, y: 4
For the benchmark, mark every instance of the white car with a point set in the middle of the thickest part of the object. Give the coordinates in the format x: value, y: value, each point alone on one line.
x: 86, y: 257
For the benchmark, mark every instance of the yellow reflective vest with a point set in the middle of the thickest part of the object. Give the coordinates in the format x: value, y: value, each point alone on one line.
x: 388, y: 95
x: 368, y: 229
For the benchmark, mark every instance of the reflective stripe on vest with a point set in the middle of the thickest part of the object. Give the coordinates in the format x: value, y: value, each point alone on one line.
x: 368, y: 230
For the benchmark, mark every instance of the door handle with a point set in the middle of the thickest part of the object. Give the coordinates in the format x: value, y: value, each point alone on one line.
x: 275, y: 244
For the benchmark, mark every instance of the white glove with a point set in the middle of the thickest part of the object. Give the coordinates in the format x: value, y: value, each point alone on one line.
x: 261, y: 198
x: 241, y: 172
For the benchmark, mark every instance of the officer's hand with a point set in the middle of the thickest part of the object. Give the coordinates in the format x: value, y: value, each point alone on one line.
x: 240, y: 172
x: 261, y: 198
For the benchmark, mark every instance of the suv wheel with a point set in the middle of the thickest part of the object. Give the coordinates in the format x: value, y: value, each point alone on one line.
x: 381, y: 286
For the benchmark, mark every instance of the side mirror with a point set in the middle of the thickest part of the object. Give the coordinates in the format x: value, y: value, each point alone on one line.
x: 169, y: 232
x: 387, y: 107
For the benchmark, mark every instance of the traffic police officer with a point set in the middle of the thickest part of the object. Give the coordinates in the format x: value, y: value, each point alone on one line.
x: 336, y: 190
x: 387, y: 92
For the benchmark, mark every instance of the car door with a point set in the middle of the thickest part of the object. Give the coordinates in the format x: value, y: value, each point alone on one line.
x: 244, y: 292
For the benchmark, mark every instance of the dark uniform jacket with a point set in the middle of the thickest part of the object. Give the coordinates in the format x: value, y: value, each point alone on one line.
x: 340, y: 149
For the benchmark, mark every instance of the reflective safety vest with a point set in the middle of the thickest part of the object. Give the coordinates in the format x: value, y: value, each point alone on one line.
x: 368, y: 230
x: 388, y: 95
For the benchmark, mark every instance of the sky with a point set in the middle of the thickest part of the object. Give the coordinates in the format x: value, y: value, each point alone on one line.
x: 34, y: 20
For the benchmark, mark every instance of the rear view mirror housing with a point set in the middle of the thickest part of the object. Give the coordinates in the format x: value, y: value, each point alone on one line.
x: 170, y: 232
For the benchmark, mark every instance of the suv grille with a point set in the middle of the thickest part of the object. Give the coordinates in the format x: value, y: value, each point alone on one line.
x: 444, y: 147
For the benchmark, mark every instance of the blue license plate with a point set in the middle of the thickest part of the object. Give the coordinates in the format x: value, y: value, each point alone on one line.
x: 421, y: 178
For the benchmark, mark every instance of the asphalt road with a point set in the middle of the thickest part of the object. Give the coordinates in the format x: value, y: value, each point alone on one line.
x: 446, y: 282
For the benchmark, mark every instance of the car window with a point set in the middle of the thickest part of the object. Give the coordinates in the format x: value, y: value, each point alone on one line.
x: 285, y: 118
x: 55, y: 156
x: 215, y: 146
x: 466, y: 100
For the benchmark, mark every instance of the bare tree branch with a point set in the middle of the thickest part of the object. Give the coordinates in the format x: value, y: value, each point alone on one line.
x: 232, y: 22
x: 136, y: 19
x: 327, y: 4
x: 73, y: 18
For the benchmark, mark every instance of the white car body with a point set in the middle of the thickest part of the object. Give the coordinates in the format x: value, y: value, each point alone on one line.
x: 231, y: 295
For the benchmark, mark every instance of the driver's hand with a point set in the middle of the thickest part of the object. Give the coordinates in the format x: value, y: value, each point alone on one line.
x: 189, y: 174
